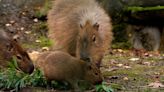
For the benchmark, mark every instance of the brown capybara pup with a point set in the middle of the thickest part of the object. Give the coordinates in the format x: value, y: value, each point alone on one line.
x: 60, y: 66
x: 81, y: 28
x: 10, y: 48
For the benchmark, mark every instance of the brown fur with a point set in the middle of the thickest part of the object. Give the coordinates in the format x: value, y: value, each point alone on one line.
x: 11, y: 48
x: 72, y: 21
x: 61, y: 66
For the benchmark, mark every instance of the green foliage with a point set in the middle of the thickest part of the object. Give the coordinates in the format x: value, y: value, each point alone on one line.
x: 43, y: 11
x: 121, y: 38
x: 45, y: 42
x: 40, y: 28
x: 122, y: 45
x: 137, y: 8
x: 14, y: 79
x: 11, y: 78
x: 103, y: 88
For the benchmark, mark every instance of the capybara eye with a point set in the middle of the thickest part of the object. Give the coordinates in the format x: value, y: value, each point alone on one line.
x: 96, y: 73
x: 93, y: 38
x: 19, y: 57
x: 96, y: 26
x: 90, y: 67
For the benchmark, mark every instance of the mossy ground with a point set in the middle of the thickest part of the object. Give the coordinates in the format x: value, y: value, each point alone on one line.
x: 127, y: 75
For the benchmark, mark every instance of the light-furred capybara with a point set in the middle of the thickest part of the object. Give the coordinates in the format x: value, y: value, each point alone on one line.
x: 145, y: 37
x: 61, y: 66
x: 81, y: 28
x: 10, y: 48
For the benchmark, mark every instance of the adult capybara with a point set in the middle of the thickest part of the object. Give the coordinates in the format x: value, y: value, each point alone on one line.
x: 60, y: 66
x: 81, y: 28
x: 10, y: 48
x: 145, y: 37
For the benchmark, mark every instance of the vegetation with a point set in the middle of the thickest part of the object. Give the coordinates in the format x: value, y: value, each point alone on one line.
x: 138, y: 8
x: 13, y: 79
x: 43, y: 11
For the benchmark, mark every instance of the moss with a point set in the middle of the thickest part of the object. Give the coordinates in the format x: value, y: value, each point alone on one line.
x: 137, y: 8
x: 122, y: 45
x: 33, y: 46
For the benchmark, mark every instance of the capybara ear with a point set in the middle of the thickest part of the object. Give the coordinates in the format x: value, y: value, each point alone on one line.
x: 93, y: 38
x: 89, y: 66
x: 96, y: 26
x: 15, y: 39
x: 9, y: 47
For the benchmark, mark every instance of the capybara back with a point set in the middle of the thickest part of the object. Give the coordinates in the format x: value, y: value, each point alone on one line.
x: 60, y: 66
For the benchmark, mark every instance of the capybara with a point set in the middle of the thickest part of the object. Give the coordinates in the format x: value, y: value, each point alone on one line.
x: 11, y: 48
x: 145, y: 37
x: 61, y: 66
x: 81, y: 28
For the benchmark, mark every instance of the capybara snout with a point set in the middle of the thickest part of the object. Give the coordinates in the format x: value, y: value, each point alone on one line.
x: 11, y: 48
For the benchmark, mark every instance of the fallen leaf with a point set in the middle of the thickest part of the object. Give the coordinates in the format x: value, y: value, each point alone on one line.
x: 134, y: 59
x: 45, y: 49
x: 126, y: 78
x: 156, y: 85
x: 38, y: 41
x: 147, y: 63
x: 35, y: 20
x: 119, y: 65
x: 7, y: 25
x: 127, y: 67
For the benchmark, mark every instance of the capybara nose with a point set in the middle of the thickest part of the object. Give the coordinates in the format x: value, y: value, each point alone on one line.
x: 85, y: 59
x: 31, y: 69
x: 98, y: 82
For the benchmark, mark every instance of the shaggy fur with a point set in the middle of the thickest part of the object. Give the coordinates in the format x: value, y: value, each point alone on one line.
x: 147, y: 38
x: 68, y: 18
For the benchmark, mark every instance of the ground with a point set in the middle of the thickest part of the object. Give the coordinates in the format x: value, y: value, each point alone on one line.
x: 123, y: 70
x: 132, y: 73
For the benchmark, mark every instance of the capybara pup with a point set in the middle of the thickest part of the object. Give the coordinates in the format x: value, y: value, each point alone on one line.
x: 60, y: 66
x: 81, y: 28
x: 11, y: 48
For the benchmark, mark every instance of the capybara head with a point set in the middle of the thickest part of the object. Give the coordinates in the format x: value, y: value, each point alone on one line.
x: 23, y: 60
x: 93, y: 74
x: 10, y: 47
x: 89, y: 43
